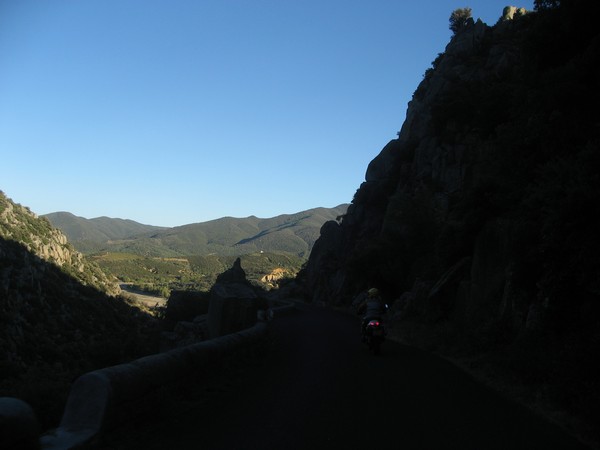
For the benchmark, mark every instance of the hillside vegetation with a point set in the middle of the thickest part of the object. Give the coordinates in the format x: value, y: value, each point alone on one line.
x: 59, y: 316
x: 480, y: 222
x: 162, y: 275
x: 18, y: 223
x: 158, y: 260
x: 89, y: 235
x: 228, y: 236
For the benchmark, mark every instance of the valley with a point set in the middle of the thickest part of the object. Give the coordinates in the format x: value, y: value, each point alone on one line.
x: 146, y: 301
x: 158, y: 276
x: 157, y: 260
x: 477, y: 225
x: 293, y: 234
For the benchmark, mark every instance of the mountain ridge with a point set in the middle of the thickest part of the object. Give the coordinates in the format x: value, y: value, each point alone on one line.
x: 292, y: 233
x: 98, y: 228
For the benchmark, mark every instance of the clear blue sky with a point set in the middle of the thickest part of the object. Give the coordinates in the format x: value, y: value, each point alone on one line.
x: 170, y: 112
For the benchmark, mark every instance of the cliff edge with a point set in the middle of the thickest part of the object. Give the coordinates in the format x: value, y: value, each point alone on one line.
x: 479, y: 223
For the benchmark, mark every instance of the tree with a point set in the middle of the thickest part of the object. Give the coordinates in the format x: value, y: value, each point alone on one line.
x: 545, y: 4
x: 459, y: 19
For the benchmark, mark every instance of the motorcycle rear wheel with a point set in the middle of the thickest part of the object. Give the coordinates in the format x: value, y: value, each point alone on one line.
x: 375, y: 346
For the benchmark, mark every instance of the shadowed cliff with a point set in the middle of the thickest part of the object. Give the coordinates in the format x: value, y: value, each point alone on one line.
x: 57, y: 320
x: 479, y: 223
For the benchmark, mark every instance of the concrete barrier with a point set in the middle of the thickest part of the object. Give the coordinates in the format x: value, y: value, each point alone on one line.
x: 96, y: 397
x: 280, y: 308
x: 19, y: 428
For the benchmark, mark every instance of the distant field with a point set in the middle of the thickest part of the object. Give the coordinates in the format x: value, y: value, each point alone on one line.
x: 158, y: 275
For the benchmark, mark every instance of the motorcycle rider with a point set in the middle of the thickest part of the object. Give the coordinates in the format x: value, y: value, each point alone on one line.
x: 372, y: 306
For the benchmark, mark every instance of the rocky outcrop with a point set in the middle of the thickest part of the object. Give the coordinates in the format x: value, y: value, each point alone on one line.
x: 276, y: 274
x: 185, y: 306
x: 18, y: 223
x: 233, y: 307
x: 233, y: 303
x: 185, y: 319
x: 512, y: 12
x: 56, y: 322
x: 472, y: 222
x: 429, y: 163
x: 446, y: 189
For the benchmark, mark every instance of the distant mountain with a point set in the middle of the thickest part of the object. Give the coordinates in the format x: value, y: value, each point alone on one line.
x: 86, y: 234
x: 227, y: 236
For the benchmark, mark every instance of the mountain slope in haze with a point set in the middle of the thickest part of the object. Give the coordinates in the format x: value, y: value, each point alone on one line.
x: 87, y: 234
x: 227, y: 236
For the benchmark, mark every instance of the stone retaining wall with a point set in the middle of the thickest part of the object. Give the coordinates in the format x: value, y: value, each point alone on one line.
x: 97, y: 397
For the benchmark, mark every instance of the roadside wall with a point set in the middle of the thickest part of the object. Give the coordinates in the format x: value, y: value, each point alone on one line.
x: 97, y: 398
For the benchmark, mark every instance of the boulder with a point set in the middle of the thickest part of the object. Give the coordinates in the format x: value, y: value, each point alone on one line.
x: 185, y: 306
x: 512, y: 12
x: 233, y: 307
x: 233, y: 275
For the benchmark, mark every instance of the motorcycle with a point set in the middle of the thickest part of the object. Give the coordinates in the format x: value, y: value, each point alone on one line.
x: 374, y: 335
x: 372, y: 329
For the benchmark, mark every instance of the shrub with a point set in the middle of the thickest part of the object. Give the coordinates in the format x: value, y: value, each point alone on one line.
x: 545, y: 4
x: 459, y: 19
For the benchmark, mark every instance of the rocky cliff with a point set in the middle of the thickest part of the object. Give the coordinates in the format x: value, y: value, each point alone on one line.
x: 38, y: 236
x: 57, y: 320
x: 480, y: 221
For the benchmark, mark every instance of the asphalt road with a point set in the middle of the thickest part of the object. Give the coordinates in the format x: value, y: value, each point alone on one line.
x: 319, y: 388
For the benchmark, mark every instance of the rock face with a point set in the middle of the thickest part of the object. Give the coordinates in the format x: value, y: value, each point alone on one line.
x: 233, y: 307
x: 185, y: 306
x: 478, y: 220
x: 185, y: 320
x: 275, y: 275
x: 39, y: 237
x: 464, y: 177
x: 56, y: 319
x: 233, y: 303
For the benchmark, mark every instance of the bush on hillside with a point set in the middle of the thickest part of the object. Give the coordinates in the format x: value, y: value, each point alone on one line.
x: 459, y: 19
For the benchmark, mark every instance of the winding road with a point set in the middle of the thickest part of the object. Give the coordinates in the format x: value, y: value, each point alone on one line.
x: 320, y: 388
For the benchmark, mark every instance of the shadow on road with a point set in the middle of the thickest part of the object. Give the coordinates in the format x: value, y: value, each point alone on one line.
x: 318, y: 387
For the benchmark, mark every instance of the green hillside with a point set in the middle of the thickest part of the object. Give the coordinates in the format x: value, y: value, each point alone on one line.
x: 89, y: 235
x: 228, y: 236
x: 159, y: 275
x: 60, y: 315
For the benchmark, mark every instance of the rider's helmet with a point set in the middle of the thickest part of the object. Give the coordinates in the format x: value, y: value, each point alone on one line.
x: 373, y: 292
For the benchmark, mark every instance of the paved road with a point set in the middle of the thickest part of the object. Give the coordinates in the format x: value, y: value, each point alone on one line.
x: 319, y: 388
x: 144, y: 298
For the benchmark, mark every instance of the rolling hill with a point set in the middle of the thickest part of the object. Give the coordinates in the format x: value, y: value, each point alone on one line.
x: 227, y: 236
x: 88, y: 234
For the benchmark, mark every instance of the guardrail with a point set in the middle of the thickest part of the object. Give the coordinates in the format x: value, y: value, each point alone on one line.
x: 97, y: 397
